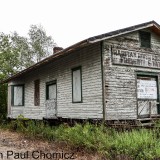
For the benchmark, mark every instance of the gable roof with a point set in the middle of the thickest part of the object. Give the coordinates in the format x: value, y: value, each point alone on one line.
x: 151, y: 24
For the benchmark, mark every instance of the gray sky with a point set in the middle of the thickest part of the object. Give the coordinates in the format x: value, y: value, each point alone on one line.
x: 70, y: 21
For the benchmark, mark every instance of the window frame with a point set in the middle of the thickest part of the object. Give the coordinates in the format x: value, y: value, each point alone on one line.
x: 149, y: 74
x: 140, y: 37
x: 75, y: 69
x: 146, y: 77
x: 36, y: 103
x: 12, y: 94
x: 54, y: 82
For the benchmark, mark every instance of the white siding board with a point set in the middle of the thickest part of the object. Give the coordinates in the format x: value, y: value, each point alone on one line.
x: 89, y: 59
x: 120, y: 83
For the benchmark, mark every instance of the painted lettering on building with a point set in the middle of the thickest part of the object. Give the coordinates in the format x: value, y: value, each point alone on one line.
x: 135, y: 58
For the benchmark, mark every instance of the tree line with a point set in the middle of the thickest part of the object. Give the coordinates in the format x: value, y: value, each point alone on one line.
x: 19, y: 52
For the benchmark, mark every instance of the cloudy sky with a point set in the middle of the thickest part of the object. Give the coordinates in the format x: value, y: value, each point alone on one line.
x: 70, y: 21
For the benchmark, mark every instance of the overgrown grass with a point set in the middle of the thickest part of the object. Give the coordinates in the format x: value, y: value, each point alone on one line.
x: 139, y: 144
x: 136, y: 144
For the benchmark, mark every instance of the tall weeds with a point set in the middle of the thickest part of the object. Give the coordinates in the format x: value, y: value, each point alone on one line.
x: 135, y: 144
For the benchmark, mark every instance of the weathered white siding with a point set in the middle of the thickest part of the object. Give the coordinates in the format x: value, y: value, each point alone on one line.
x: 120, y: 80
x: 89, y: 59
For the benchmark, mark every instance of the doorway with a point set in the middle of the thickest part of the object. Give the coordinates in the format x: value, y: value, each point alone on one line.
x: 147, y: 96
x: 51, y: 99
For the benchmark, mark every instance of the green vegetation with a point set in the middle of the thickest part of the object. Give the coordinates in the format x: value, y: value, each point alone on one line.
x: 3, y: 101
x: 135, y: 144
x: 18, y: 53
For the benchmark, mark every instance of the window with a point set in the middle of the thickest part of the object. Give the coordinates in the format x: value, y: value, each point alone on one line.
x: 17, y: 95
x: 147, y: 94
x: 145, y: 39
x: 51, y: 90
x: 146, y: 87
x: 37, y: 92
x: 76, y: 85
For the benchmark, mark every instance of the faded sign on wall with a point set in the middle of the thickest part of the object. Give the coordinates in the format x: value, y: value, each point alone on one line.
x: 135, y: 58
x: 146, y: 89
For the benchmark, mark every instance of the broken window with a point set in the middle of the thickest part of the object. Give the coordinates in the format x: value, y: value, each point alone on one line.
x: 18, y: 95
x: 76, y: 85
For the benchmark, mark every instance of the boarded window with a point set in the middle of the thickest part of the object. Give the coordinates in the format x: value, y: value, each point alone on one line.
x: 18, y: 95
x: 146, y: 88
x: 147, y: 94
x: 145, y: 39
x: 51, y: 90
x: 76, y: 85
x: 37, y: 92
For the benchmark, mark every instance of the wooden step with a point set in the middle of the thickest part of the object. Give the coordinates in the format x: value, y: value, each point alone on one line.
x: 144, y: 119
x: 147, y: 124
x: 50, y: 118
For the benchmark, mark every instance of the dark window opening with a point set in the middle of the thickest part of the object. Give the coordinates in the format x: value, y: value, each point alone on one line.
x: 51, y: 90
x: 145, y: 39
x: 37, y: 92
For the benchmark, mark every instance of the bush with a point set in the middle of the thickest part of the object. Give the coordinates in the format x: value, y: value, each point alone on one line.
x: 90, y: 136
x: 135, y: 144
x: 3, y: 101
x: 140, y: 144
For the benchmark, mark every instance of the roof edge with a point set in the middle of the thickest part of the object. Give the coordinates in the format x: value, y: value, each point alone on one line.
x: 46, y: 60
x: 85, y: 42
x: 123, y: 31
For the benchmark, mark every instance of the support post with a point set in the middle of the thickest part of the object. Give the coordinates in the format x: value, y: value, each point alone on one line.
x: 150, y: 109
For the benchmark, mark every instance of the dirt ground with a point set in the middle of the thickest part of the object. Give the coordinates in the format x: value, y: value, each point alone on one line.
x: 16, y: 146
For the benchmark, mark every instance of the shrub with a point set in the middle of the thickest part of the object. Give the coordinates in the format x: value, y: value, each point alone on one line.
x: 139, y: 144
x: 135, y: 144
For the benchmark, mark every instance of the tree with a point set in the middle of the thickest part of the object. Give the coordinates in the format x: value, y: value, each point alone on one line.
x: 9, y: 62
x: 3, y: 100
x: 23, y: 49
x: 18, y: 53
x: 41, y: 44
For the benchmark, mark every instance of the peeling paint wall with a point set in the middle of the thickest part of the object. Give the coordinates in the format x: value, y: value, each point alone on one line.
x: 120, y: 78
x: 89, y: 58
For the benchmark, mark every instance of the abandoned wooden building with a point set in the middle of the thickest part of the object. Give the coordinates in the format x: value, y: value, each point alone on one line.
x: 113, y: 76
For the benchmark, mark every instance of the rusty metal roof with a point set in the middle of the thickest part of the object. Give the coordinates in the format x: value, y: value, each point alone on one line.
x: 152, y: 24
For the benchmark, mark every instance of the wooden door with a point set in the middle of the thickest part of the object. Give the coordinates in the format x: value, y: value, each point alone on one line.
x: 51, y: 100
x: 147, y: 96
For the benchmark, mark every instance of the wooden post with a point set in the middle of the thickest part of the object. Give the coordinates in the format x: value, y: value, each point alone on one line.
x: 150, y: 109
